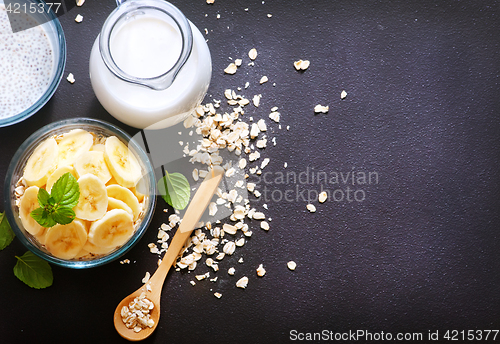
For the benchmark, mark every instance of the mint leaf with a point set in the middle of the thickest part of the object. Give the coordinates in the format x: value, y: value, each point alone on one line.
x: 43, y: 197
x: 57, y: 207
x: 6, y: 233
x: 34, y: 271
x: 175, y: 190
x: 66, y: 191
x: 64, y: 215
x: 43, y: 217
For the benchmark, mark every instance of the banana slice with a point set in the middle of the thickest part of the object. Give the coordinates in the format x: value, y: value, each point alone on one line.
x: 121, y: 162
x: 57, y: 174
x: 82, y: 254
x: 93, y: 162
x: 85, y: 223
x: 98, y: 147
x: 139, y: 190
x: 112, y: 181
x: 89, y: 247
x: 65, y: 241
x: 125, y: 195
x: 41, y: 163
x: 139, y: 195
x: 113, y: 230
x: 114, y: 203
x: 93, y: 201
x: 73, y: 144
x: 29, y: 201
x: 40, y: 237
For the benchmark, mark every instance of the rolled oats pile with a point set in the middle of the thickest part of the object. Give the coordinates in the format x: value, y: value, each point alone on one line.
x: 136, y: 315
x: 234, y: 135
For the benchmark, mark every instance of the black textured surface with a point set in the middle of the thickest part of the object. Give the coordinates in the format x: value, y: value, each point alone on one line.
x: 419, y: 253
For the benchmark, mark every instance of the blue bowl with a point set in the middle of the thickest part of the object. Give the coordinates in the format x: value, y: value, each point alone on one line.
x: 16, y: 170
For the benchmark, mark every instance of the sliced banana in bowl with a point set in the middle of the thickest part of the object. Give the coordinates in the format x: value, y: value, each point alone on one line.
x: 110, y: 215
x: 93, y: 201
x: 66, y: 241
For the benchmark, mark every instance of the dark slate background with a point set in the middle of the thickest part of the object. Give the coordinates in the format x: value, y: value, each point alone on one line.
x: 419, y: 254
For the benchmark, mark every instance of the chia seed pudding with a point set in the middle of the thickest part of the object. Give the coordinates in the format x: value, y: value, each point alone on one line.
x: 26, y: 60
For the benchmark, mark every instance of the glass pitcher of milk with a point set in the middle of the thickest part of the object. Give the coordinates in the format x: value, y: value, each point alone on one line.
x: 150, y: 67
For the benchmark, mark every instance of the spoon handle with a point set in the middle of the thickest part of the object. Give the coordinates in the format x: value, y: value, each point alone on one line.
x: 195, y: 210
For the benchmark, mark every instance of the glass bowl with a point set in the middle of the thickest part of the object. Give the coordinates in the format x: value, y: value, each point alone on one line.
x: 16, y: 170
x: 55, y: 34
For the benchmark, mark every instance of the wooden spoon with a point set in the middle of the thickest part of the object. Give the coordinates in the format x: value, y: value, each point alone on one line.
x: 193, y: 214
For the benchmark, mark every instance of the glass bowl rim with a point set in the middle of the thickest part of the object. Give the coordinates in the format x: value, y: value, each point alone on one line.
x: 43, y: 133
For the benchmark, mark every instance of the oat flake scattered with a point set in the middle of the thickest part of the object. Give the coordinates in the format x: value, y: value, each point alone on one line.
x: 262, y: 124
x: 343, y: 94
x: 231, y: 69
x: 258, y: 216
x: 261, y: 143
x: 229, y: 229
x: 71, y: 78
x: 264, y: 163
x: 212, y: 208
x: 256, y: 100
x: 291, y: 265
x: 252, y: 54
x: 79, y: 18
x: 320, y: 108
x: 275, y: 116
x: 322, y: 197
x: 301, y: 65
x: 254, y: 131
x: 253, y: 156
x: 79, y: 3
x: 311, y: 208
x: 229, y: 247
x: 263, y: 79
x: 264, y: 225
x: 217, y: 295
x: 242, y: 282
x: 261, y: 271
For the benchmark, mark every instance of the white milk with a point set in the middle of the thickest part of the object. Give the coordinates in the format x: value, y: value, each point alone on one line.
x: 148, y: 47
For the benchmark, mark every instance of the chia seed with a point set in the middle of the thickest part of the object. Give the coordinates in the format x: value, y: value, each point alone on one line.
x: 26, y: 63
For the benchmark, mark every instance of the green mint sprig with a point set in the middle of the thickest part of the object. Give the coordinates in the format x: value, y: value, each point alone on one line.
x: 57, y: 207
x: 30, y: 269
x: 33, y: 271
x: 6, y: 233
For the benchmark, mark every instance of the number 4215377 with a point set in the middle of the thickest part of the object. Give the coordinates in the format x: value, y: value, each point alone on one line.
x: 471, y: 335
x: 17, y: 8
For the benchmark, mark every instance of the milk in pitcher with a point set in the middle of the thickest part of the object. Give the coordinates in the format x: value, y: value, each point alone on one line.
x: 144, y: 46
